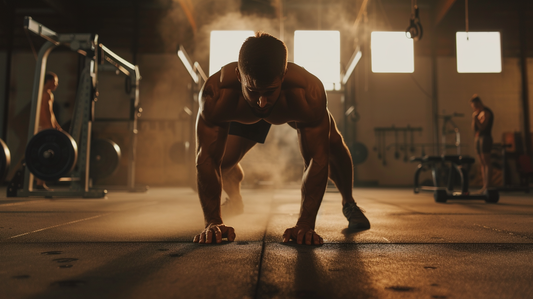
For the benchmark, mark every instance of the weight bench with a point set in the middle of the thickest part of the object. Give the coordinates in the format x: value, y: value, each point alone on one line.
x: 459, y: 163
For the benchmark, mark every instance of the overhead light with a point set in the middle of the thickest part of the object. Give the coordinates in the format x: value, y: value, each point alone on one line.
x: 478, y: 52
x: 351, y: 65
x: 391, y: 52
x: 187, y: 63
x: 318, y: 51
x: 225, y: 46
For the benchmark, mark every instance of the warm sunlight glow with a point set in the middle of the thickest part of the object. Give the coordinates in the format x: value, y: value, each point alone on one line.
x: 225, y: 46
x: 478, y: 52
x: 318, y: 51
x: 392, y: 52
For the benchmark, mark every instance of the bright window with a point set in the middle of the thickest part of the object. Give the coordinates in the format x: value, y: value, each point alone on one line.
x: 478, y: 52
x: 392, y: 52
x: 318, y: 51
x: 225, y: 46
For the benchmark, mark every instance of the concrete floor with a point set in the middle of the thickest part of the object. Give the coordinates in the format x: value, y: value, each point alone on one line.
x: 139, y: 245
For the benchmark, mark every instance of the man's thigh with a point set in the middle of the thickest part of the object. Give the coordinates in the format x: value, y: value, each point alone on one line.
x: 236, y: 148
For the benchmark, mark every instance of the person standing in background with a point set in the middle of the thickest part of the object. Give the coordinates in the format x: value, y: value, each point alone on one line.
x: 482, y: 120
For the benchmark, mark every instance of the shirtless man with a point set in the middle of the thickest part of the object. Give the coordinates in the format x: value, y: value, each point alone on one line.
x: 237, y: 106
x: 482, y: 120
x: 47, y: 118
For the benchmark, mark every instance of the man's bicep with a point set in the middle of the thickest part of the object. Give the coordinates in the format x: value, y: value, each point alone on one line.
x: 211, y: 140
x: 314, y: 140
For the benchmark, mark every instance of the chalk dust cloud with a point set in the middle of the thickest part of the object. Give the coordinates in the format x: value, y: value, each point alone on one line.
x: 189, y: 22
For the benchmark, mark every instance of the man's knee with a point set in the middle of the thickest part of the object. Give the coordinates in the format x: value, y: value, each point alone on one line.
x: 233, y: 173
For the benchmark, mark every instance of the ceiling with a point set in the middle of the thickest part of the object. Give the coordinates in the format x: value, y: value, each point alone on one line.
x: 158, y: 26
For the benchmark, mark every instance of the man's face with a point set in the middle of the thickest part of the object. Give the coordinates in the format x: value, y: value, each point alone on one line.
x: 52, y: 84
x: 261, y: 97
x: 475, y: 106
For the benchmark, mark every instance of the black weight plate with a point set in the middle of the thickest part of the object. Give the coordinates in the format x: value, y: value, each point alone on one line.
x: 5, y: 160
x: 51, y: 154
x: 105, y: 158
x: 440, y: 196
x: 359, y: 152
x: 492, y: 196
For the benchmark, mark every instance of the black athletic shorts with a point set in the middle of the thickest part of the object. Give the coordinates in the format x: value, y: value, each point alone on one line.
x: 484, y: 144
x: 256, y: 132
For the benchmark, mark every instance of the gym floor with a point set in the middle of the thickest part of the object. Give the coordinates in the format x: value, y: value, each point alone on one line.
x: 139, y: 245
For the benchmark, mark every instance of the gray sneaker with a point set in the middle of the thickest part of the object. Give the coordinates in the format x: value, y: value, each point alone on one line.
x: 355, y: 216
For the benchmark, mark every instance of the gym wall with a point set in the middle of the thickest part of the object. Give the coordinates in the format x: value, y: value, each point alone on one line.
x: 391, y: 99
x: 382, y: 100
x: 394, y: 99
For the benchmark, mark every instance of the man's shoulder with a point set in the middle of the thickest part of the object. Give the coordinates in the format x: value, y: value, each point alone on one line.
x: 228, y: 77
x: 224, y: 78
x: 47, y: 95
x: 298, y: 77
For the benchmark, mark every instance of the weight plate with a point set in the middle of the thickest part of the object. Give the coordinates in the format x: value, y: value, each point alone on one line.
x: 492, y: 196
x: 105, y: 158
x: 359, y: 152
x: 440, y: 196
x: 5, y: 160
x: 51, y: 154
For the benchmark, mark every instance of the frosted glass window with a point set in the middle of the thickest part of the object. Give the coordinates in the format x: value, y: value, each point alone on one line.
x: 224, y: 47
x: 319, y: 52
x: 479, y: 52
x: 392, y: 52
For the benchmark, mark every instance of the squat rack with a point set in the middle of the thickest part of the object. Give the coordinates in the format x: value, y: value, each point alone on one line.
x: 95, y: 54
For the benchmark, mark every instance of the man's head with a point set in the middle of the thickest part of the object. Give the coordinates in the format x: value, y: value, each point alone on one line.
x: 475, y: 103
x: 262, y: 59
x: 51, y: 81
x: 261, y: 70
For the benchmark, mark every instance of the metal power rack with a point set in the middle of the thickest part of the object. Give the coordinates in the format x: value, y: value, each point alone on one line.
x: 95, y: 55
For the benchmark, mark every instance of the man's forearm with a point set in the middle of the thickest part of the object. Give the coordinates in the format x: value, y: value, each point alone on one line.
x: 209, y: 191
x: 313, y: 188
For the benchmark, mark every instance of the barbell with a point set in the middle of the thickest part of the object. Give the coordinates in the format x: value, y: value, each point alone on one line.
x: 52, y: 154
x: 5, y: 160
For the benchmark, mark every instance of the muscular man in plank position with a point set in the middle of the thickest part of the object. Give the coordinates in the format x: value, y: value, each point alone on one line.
x: 238, y: 104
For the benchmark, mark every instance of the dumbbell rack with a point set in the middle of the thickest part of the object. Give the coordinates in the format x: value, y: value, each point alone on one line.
x: 95, y: 54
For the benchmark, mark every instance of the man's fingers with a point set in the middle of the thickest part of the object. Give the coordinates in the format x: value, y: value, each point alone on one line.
x: 287, y: 235
x: 309, y: 237
x: 218, y: 234
x: 209, y: 237
x: 317, y: 239
x: 300, y: 236
x: 215, y: 233
x: 202, y: 238
x: 231, y: 234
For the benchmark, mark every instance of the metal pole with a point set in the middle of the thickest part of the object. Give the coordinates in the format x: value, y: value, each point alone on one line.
x: 135, y: 39
x: 525, y: 87
x: 10, y: 29
x: 435, y: 93
x: 36, y: 98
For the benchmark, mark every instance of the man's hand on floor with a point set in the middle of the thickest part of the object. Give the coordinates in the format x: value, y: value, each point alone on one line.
x: 302, y: 234
x: 214, y: 233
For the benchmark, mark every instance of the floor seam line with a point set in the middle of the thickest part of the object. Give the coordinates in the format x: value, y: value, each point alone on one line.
x: 259, y: 269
